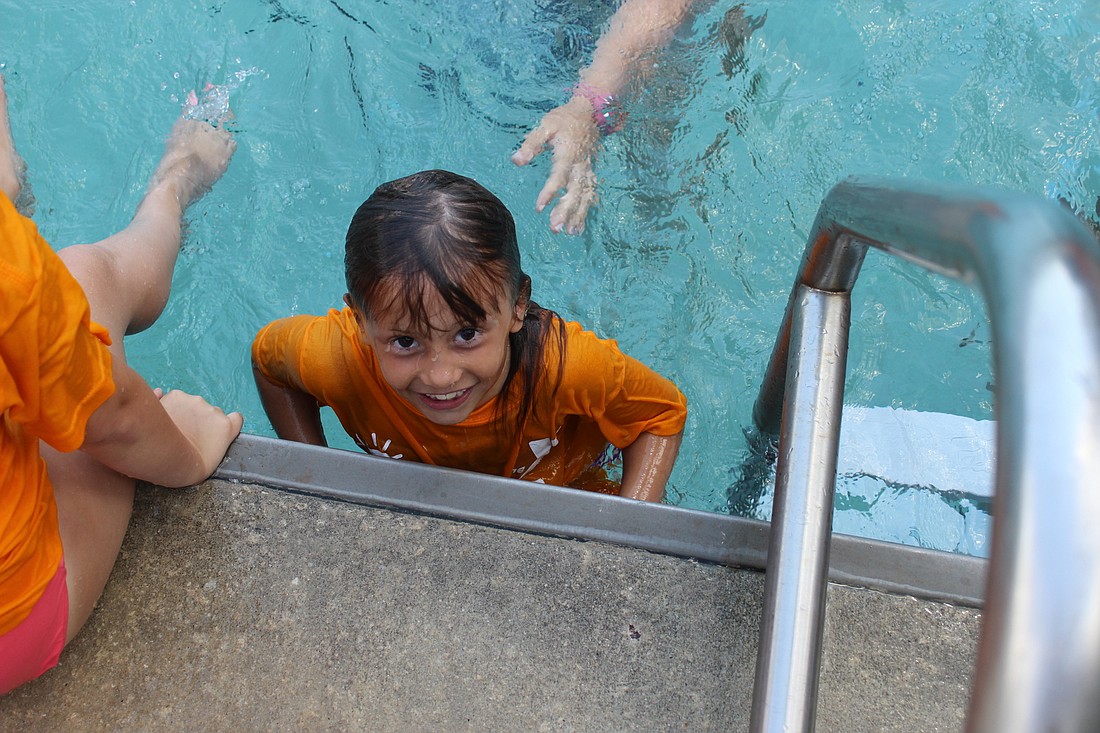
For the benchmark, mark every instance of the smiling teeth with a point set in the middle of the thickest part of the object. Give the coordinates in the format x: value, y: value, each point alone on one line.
x: 445, y: 397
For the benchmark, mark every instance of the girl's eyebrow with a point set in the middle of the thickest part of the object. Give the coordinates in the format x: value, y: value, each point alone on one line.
x: 414, y: 330
x: 391, y: 330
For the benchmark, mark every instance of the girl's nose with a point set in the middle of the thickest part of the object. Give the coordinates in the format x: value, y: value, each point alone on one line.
x: 440, y: 373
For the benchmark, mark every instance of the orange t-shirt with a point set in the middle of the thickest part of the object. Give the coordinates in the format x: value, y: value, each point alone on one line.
x: 55, y: 370
x: 603, y: 396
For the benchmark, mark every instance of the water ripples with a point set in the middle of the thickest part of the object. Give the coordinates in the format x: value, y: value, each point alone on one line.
x: 707, y: 196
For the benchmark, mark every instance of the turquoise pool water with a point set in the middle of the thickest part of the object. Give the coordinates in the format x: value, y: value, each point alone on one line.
x: 707, y: 195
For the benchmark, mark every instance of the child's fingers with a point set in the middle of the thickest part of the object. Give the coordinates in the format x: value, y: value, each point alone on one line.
x: 533, y: 144
x: 555, y: 182
x: 567, y: 217
x: 579, y: 182
x: 572, y: 210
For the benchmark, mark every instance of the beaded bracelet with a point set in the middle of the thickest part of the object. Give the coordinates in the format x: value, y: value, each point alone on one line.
x: 607, y: 113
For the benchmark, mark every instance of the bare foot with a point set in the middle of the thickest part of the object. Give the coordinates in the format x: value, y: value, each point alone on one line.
x: 196, y: 155
x: 12, y: 168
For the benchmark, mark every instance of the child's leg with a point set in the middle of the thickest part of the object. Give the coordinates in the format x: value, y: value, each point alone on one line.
x: 93, y: 510
x: 126, y: 278
x: 11, y: 165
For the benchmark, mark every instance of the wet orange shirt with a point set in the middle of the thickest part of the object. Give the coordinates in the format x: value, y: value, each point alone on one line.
x: 55, y: 370
x: 604, y: 396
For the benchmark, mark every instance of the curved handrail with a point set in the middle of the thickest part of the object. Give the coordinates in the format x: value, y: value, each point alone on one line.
x: 1038, y: 665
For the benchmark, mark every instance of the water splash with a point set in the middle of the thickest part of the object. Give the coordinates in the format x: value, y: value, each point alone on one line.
x: 213, y: 105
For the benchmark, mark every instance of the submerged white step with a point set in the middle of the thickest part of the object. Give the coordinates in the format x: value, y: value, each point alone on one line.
x: 938, y: 451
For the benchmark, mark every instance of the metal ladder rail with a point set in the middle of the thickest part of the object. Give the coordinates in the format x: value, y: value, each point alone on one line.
x: 1038, y: 666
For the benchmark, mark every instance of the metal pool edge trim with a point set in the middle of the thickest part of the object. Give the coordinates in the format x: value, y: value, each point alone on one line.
x: 448, y: 493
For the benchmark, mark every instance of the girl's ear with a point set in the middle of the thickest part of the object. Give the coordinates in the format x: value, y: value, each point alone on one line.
x: 523, y: 302
x: 518, y: 314
x: 354, y: 311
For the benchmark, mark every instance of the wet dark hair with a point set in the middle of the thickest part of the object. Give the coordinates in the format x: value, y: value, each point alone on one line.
x: 437, y: 230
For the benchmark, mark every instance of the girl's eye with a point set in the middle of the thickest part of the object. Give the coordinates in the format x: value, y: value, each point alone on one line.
x: 404, y: 342
x: 467, y: 335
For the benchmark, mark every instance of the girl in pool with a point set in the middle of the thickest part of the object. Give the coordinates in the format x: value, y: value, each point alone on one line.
x: 440, y: 355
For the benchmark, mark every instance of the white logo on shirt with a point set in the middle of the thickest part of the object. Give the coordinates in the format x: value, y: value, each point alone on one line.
x: 374, y: 449
x: 541, y: 448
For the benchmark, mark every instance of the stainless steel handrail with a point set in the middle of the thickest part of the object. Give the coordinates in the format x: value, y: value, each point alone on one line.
x: 1038, y: 666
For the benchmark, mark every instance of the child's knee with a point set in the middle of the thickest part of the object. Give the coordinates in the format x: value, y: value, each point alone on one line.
x: 94, y: 267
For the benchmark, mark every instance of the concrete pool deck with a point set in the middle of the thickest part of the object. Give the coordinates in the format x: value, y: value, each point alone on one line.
x: 239, y: 606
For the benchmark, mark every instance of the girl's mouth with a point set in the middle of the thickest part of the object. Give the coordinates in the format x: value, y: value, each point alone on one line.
x: 445, y: 400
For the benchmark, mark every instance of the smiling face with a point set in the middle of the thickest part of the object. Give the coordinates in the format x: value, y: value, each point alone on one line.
x: 433, y: 270
x: 442, y: 365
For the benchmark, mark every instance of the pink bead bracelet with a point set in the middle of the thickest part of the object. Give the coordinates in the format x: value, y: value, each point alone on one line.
x: 606, y: 111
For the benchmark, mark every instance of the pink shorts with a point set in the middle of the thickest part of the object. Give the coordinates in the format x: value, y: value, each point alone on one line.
x: 34, y: 646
